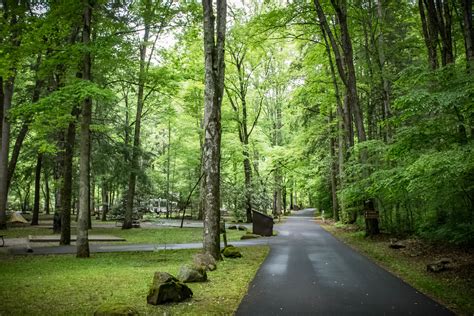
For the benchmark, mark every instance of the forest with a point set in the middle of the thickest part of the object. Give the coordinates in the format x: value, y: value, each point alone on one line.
x: 349, y: 106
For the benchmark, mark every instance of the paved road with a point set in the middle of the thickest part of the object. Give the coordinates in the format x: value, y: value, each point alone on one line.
x: 309, y: 272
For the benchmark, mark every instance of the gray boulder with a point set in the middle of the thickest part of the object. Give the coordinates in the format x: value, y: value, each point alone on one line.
x: 115, y: 309
x: 189, y: 274
x: 231, y: 252
x: 166, y: 288
x: 205, y: 260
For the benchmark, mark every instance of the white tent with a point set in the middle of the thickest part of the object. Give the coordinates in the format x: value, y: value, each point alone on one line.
x: 16, y: 217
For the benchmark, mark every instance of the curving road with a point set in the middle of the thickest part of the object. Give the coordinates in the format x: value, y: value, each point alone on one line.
x: 309, y: 272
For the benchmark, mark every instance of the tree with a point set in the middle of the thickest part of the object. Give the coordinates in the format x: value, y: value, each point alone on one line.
x: 214, y: 45
x: 82, y: 241
x: 14, y: 13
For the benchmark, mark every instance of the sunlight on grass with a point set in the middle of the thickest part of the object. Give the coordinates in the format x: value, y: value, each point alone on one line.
x: 55, y: 285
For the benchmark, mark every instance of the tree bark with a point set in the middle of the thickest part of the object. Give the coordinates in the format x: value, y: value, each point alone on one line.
x: 168, y: 164
x: 4, y: 149
x: 36, y: 204
x: 430, y: 33
x: 387, y: 111
x: 214, y: 43
x: 105, y: 201
x: 84, y: 158
x: 13, y: 13
x: 333, y: 166
x: 47, y: 196
x: 468, y: 30
x: 352, y: 97
x: 134, y: 163
x: 66, y: 190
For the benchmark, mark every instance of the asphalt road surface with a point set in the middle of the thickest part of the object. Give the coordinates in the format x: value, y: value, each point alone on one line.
x: 309, y: 272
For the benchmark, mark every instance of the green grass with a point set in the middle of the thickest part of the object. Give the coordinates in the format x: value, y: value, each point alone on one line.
x: 159, y: 235
x: 64, y: 285
x: 454, y: 292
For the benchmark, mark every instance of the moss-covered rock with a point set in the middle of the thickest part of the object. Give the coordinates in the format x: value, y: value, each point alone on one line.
x: 115, y: 309
x: 205, y: 261
x: 166, y: 288
x: 189, y: 274
x: 231, y: 252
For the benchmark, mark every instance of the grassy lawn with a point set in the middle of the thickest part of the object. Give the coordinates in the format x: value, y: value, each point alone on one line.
x: 451, y: 288
x: 159, y: 235
x: 60, y: 285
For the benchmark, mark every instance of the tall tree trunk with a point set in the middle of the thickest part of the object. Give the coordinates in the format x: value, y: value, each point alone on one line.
x: 168, y: 162
x: 4, y: 148
x: 36, y: 204
x: 13, y: 13
x: 468, y: 30
x: 105, y: 201
x: 352, y: 97
x: 84, y: 158
x: 430, y: 31
x: 214, y: 43
x: 47, y: 193
x: 387, y: 112
x: 25, y: 126
x: 58, y: 178
x: 66, y: 190
x: 333, y: 174
x: 127, y: 223
x: 2, y: 96
x: 445, y: 29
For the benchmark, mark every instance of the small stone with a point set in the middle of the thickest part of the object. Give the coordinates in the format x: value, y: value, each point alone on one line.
x: 205, y: 260
x: 231, y: 252
x: 115, y: 309
x: 189, y: 274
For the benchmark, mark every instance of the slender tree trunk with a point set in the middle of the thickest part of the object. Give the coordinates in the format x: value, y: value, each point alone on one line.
x: 387, y: 112
x: 352, y: 97
x: 36, y: 204
x: 214, y: 43
x: 168, y: 161
x: 127, y: 223
x: 8, y: 88
x: 58, y: 178
x: 47, y: 193
x: 105, y: 201
x: 430, y: 34
x: 468, y: 30
x: 84, y: 158
x: 2, y: 96
x: 66, y: 190
x: 333, y: 176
